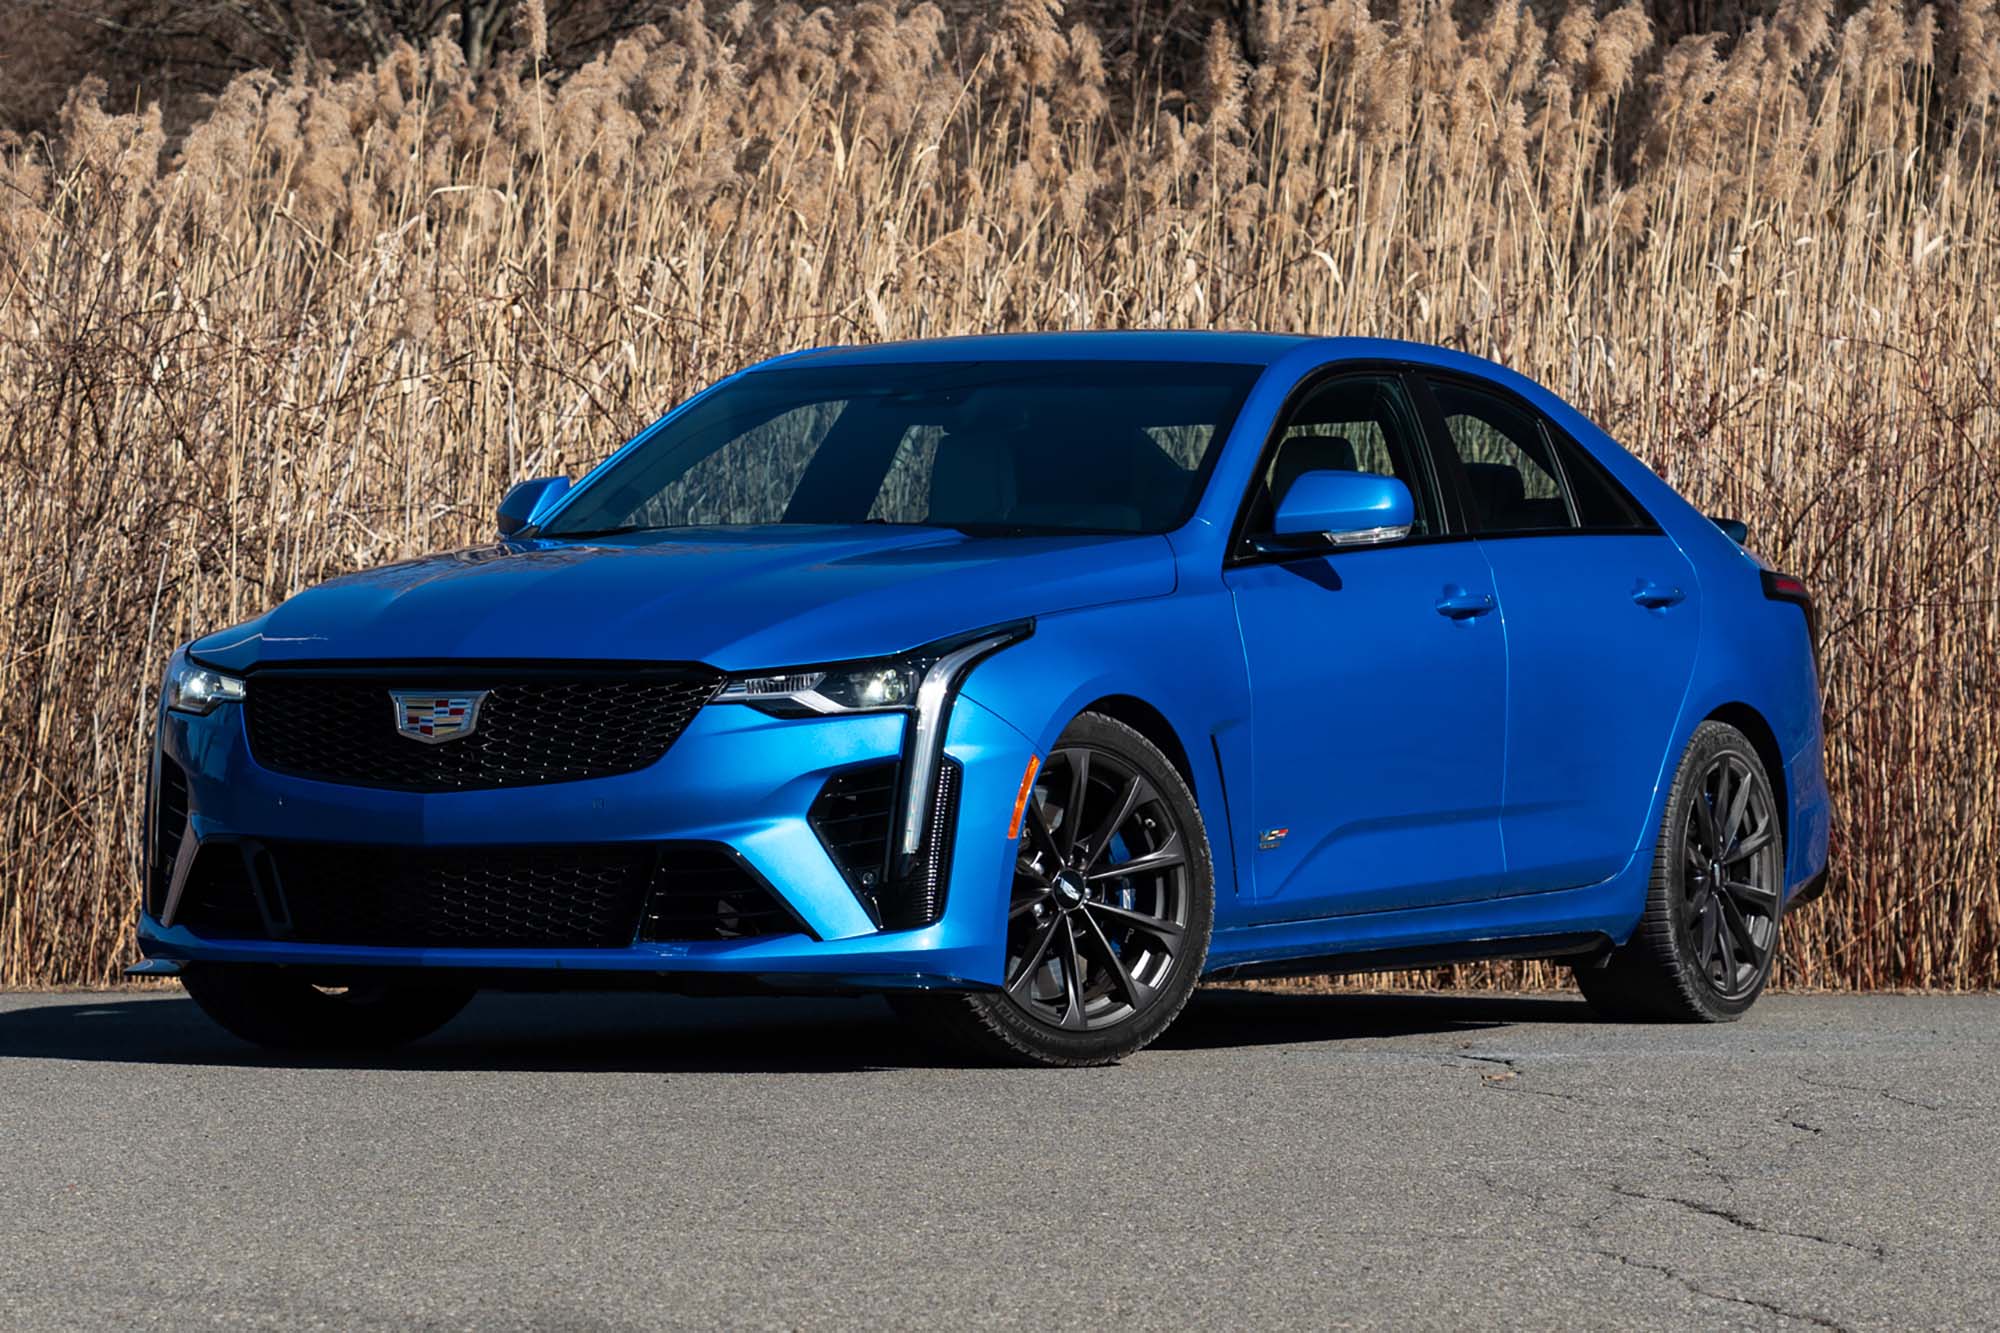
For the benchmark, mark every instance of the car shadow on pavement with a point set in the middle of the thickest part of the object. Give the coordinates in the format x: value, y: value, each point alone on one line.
x: 661, y: 1033
x: 1221, y: 1017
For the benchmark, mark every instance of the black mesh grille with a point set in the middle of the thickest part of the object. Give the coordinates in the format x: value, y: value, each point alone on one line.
x: 703, y: 892
x: 487, y: 897
x: 548, y: 897
x: 852, y: 815
x: 170, y: 815
x: 220, y: 897
x: 532, y: 727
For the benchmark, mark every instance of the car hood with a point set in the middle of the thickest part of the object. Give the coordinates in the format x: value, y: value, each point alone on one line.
x: 738, y: 599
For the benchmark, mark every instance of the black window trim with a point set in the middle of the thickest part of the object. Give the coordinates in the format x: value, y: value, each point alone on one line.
x: 1553, y: 437
x: 1450, y: 503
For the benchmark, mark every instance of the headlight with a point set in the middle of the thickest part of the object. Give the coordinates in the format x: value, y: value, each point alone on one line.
x: 193, y: 688
x: 867, y: 688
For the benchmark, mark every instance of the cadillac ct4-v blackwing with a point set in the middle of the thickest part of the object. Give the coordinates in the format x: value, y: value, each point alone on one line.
x: 1027, y: 680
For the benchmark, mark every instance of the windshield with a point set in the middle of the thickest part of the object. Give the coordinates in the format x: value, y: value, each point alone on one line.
x: 985, y: 447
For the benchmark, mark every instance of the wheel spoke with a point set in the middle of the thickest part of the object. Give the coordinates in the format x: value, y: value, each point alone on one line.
x: 1166, y: 932
x: 1706, y: 942
x: 1725, y: 944
x: 1164, y: 857
x: 1704, y: 823
x: 1136, y: 793
x: 1751, y: 845
x: 1697, y: 904
x: 1040, y: 839
x: 1738, y: 808
x: 1079, y: 784
x: 1754, y: 896
x: 1136, y: 992
x: 1028, y: 902
x: 1739, y: 927
x: 1024, y: 979
x: 1072, y: 968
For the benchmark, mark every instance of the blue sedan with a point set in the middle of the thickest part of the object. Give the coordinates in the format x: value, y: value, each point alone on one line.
x: 1026, y: 680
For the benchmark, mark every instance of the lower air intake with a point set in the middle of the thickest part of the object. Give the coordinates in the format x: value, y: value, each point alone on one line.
x: 170, y: 817
x: 535, y: 897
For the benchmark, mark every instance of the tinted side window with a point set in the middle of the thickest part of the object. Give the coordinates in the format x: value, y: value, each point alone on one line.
x: 1508, y: 466
x: 1601, y: 503
x: 1361, y: 423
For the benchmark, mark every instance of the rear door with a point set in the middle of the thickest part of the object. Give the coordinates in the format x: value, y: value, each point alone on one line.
x: 1601, y: 613
x: 1377, y: 681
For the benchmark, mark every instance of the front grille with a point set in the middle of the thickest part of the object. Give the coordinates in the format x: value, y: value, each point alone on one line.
x: 852, y: 816
x: 540, y: 897
x: 534, y: 726
x: 170, y: 817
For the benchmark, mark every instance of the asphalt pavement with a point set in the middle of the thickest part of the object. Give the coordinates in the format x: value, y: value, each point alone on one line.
x: 1281, y: 1159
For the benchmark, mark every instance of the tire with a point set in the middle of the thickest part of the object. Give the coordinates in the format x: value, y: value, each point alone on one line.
x: 282, y: 1009
x: 1140, y: 938
x: 1705, y: 944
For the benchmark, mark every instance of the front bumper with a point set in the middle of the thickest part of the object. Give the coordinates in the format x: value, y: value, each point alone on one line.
x: 735, y: 777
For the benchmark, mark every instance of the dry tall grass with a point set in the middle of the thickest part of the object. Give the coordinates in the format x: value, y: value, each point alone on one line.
x: 333, y: 324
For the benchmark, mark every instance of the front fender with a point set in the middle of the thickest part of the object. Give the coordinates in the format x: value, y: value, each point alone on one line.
x: 1179, y: 655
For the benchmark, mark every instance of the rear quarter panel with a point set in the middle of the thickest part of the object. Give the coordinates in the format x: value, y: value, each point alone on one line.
x: 1754, y: 653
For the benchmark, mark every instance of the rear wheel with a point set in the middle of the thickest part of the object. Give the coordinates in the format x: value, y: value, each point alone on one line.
x: 1705, y: 945
x: 286, y: 1010
x: 1113, y: 903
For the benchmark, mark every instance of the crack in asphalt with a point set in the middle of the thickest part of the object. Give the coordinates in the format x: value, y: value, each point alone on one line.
x: 1509, y: 1078
x: 1798, y: 1316
x: 1877, y: 1252
x: 1883, y: 1093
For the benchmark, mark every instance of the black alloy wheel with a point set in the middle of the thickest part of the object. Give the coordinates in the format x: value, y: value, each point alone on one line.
x: 1100, y: 910
x: 1708, y: 938
x: 1111, y: 909
x: 1731, y: 882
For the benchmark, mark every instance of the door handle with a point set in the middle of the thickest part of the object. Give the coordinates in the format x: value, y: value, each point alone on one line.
x: 1459, y: 604
x: 1654, y: 596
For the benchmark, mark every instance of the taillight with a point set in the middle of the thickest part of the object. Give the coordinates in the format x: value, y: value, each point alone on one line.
x: 1788, y: 588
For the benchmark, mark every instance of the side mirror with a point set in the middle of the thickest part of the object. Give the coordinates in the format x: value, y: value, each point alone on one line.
x: 1733, y: 528
x: 527, y: 502
x: 1346, y: 508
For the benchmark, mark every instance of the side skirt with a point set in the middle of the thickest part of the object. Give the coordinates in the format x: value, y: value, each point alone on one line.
x: 1582, y: 946
x: 1579, y: 923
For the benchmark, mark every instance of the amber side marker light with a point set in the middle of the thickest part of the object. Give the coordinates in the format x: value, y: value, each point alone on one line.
x: 1027, y: 790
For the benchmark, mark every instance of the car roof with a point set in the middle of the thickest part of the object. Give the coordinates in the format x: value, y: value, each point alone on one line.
x: 1217, y: 347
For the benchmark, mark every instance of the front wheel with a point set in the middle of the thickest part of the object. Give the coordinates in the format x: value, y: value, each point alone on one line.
x: 280, y: 1008
x: 1705, y: 944
x: 1113, y: 904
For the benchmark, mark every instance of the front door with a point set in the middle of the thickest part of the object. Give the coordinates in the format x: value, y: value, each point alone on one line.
x: 1377, y: 681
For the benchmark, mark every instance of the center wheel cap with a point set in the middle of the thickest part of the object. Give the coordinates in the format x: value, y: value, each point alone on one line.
x: 1068, y: 890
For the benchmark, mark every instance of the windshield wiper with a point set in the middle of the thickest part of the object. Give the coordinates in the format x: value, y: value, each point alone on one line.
x: 618, y: 531
x: 998, y: 529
